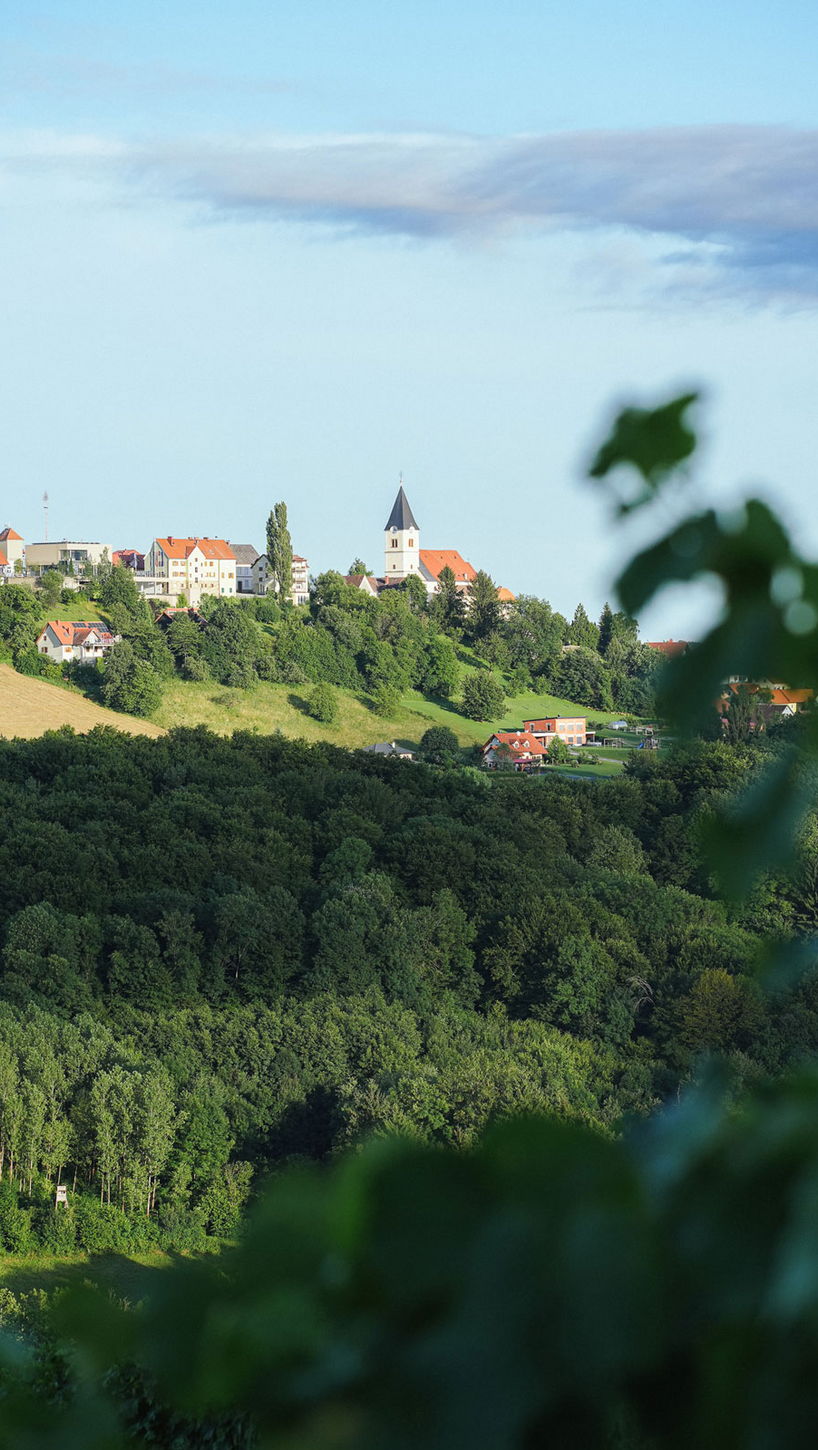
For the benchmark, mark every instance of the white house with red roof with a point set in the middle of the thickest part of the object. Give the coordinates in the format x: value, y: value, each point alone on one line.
x: 191, y: 566
x: 514, y: 747
x: 84, y: 641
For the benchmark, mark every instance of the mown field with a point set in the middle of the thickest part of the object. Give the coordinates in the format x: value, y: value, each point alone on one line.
x: 29, y: 707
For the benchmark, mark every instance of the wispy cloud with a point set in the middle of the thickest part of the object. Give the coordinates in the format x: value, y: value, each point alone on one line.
x: 736, y: 205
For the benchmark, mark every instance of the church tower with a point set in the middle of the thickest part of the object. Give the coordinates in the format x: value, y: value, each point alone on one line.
x: 402, y: 541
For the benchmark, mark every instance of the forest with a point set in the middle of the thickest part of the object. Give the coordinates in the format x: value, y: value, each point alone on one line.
x: 218, y: 956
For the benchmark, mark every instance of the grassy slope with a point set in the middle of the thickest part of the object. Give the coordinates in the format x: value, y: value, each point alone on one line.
x: 281, y: 707
x: 128, y: 1275
x: 28, y: 707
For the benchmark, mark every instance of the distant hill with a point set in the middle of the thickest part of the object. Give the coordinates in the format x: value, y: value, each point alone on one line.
x: 30, y: 707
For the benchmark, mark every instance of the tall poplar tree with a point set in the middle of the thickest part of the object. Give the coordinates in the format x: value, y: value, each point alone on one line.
x: 280, y: 550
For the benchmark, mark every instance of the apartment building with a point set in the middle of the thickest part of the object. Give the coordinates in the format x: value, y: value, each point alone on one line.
x: 190, y: 566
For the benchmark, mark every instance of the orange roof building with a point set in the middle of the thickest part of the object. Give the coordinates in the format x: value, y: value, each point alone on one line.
x: 192, y: 566
x: 434, y: 561
x: 11, y: 548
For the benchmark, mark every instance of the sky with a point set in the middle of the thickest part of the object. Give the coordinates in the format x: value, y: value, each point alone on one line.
x: 265, y: 251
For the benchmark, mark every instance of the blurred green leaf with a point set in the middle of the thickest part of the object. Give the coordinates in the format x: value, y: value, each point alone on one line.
x: 654, y: 441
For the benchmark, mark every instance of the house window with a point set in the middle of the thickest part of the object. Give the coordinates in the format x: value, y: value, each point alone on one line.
x: 394, y: 544
x: 411, y: 543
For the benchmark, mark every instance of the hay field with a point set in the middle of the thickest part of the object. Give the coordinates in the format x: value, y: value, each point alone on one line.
x: 29, y: 707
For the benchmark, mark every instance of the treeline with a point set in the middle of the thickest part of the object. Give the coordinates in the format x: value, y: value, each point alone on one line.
x: 345, y: 638
x: 216, y: 955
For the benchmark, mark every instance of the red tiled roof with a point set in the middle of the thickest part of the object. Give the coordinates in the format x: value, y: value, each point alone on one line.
x: 669, y: 647
x: 183, y: 548
x: 436, y: 559
x: 776, y: 696
x: 504, y: 595
x: 518, y: 741
x: 9, y: 533
x: 76, y: 631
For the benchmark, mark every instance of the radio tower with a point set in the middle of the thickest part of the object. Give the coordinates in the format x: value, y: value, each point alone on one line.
x: 45, y: 513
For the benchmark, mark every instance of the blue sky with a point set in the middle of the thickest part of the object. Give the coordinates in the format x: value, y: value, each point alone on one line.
x: 265, y: 251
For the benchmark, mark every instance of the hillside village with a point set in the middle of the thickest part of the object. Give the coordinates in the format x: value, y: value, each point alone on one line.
x: 175, y: 574
x: 198, y: 565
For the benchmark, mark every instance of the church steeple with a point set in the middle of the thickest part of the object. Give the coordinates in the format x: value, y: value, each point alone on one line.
x: 401, y: 540
x: 401, y: 516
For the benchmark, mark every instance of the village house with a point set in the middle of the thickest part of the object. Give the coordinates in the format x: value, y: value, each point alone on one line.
x: 190, y: 566
x: 527, y: 748
x: 518, y: 748
x: 775, y: 700
x: 262, y: 576
x: 129, y: 559
x: 389, y: 747
x: 367, y: 583
x: 246, y: 556
x: 75, y: 641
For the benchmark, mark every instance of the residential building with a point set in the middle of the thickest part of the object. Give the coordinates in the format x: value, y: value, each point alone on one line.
x: 572, y: 729
x: 71, y: 556
x: 775, y: 700
x: 83, y: 641
x: 389, y: 747
x: 367, y: 583
x: 519, y: 748
x: 263, y: 578
x: 129, y: 559
x: 12, y: 551
x: 246, y: 556
x: 669, y: 647
x: 191, y: 566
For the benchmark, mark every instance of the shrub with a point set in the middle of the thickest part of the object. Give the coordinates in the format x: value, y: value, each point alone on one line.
x: 483, y: 696
x: 439, y: 745
x: 385, y: 699
x: 323, y: 704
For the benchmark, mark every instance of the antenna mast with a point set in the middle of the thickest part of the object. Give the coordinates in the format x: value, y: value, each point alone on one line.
x: 45, y: 513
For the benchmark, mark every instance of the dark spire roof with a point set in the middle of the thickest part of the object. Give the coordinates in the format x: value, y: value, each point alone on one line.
x: 401, y: 516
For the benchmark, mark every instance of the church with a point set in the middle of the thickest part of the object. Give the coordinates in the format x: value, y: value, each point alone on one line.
x: 404, y: 556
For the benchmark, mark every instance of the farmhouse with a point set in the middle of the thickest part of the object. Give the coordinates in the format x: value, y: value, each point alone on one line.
x: 514, y: 747
x: 82, y: 641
